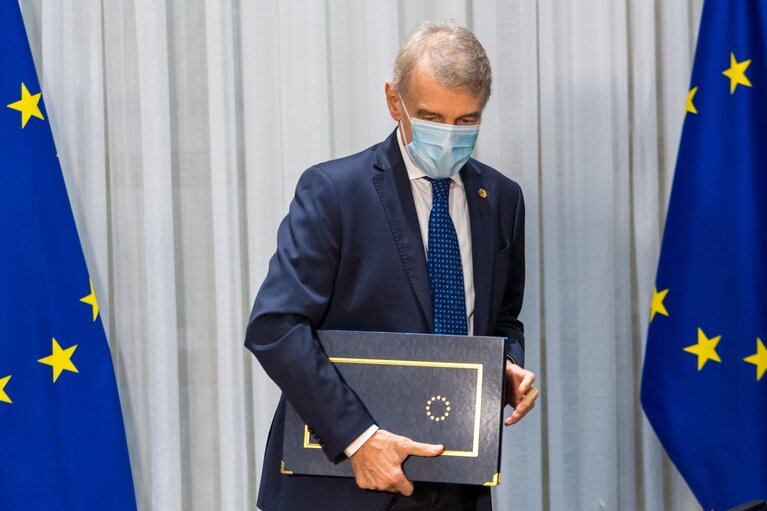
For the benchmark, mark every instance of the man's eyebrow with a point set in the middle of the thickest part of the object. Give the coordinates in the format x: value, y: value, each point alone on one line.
x: 422, y: 112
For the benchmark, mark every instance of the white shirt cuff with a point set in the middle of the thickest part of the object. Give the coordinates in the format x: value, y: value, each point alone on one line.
x: 364, y: 437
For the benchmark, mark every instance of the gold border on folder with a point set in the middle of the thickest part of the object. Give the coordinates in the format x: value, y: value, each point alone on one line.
x: 421, y: 363
x: 495, y: 481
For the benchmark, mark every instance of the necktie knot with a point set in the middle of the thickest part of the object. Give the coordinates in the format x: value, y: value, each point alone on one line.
x: 439, y: 188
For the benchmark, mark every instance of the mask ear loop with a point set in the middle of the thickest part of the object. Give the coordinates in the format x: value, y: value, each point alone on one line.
x: 404, y: 107
x: 401, y: 127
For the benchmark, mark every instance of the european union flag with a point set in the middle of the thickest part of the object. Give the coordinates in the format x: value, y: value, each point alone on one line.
x: 704, y: 388
x: 62, y: 439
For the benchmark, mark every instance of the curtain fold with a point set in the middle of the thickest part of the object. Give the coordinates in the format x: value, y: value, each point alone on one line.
x: 183, y: 126
x: 161, y: 332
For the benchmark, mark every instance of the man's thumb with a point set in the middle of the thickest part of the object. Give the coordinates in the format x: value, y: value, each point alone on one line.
x: 430, y: 450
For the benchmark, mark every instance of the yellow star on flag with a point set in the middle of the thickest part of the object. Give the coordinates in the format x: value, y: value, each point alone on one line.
x: 91, y: 300
x: 705, y: 349
x: 60, y: 360
x: 737, y: 73
x: 657, y: 307
x: 759, y: 359
x: 3, y: 396
x: 27, y: 105
x: 690, y: 107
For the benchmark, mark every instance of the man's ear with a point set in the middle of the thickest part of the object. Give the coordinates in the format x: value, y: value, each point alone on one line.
x: 393, y: 102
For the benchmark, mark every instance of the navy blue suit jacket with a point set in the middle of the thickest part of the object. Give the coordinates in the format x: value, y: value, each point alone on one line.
x: 350, y: 257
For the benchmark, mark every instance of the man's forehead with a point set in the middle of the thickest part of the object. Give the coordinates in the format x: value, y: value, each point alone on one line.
x: 429, y: 95
x: 450, y: 104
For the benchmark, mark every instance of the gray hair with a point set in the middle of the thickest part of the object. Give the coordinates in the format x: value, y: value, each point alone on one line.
x: 450, y: 53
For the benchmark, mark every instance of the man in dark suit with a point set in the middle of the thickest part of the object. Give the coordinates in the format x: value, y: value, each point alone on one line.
x: 410, y: 235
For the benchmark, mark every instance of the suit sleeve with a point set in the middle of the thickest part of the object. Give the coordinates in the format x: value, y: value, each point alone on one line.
x: 509, y: 325
x: 290, y: 305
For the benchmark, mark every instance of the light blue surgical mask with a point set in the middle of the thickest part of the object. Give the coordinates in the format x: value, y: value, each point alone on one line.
x: 440, y: 150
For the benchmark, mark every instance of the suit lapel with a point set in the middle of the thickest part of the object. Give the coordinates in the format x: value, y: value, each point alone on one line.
x: 393, y: 187
x: 482, y: 220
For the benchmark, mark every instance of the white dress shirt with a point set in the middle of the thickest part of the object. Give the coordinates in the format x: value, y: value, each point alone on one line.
x: 459, y: 213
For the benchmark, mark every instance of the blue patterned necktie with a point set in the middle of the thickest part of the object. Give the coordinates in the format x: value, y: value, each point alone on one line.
x: 444, y: 261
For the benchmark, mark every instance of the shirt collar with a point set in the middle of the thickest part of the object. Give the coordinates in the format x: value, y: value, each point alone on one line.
x: 413, y: 172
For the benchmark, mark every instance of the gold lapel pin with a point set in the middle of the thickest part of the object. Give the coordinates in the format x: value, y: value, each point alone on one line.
x: 482, y: 193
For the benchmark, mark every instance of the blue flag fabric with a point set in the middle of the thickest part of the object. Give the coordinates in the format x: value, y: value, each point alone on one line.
x: 704, y: 387
x: 62, y: 437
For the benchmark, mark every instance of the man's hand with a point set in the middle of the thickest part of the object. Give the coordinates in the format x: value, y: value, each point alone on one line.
x: 520, y: 392
x: 378, y: 463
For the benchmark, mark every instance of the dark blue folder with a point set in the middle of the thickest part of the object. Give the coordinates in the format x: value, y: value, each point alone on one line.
x: 439, y: 389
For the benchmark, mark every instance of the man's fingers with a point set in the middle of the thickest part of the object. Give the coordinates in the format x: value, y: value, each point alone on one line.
x: 525, y: 404
x: 527, y: 401
x: 517, y: 415
x: 527, y: 382
x: 406, y: 488
x: 377, y: 464
x: 419, y: 449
